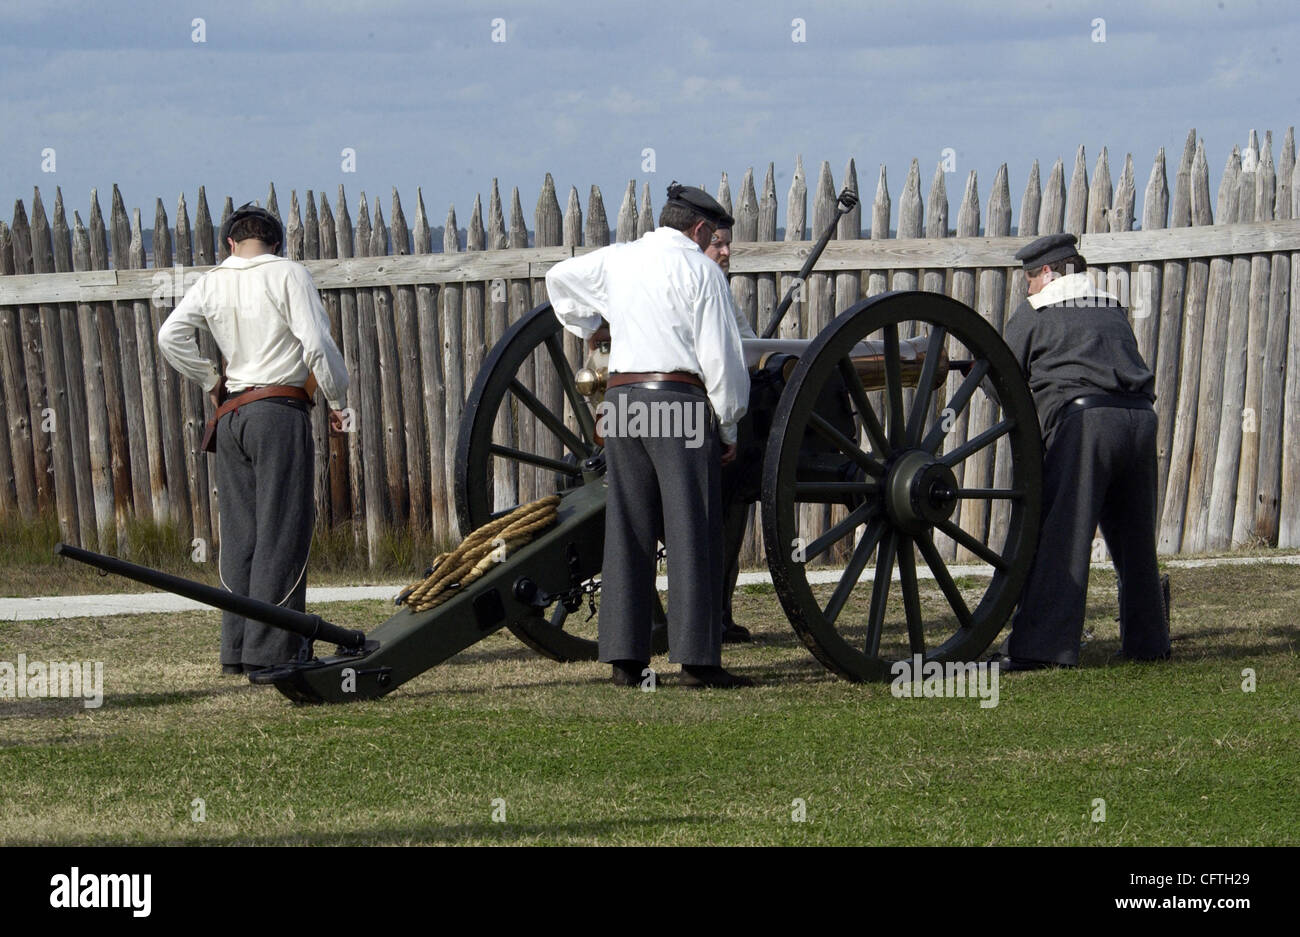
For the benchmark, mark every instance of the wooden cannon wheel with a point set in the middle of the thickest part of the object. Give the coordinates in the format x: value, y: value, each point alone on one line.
x: 520, y: 381
x: 897, y: 485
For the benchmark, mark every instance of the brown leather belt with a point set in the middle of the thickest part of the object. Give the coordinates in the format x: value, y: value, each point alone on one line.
x: 644, y: 377
x: 249, y: 396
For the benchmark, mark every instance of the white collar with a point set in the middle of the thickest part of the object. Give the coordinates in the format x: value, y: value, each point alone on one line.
x: 1073, y: 286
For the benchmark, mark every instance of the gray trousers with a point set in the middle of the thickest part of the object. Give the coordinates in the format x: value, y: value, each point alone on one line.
x: 264, y: 479
x: 1100, y: 468
x: 659, y: 486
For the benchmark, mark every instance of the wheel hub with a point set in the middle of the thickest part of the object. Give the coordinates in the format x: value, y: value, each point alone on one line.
x: 920, y: 491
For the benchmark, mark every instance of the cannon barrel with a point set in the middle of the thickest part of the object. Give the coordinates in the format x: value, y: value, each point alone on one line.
x: 312, y: 627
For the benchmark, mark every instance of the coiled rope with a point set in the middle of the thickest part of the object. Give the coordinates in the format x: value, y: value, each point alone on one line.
x: 483, y: 548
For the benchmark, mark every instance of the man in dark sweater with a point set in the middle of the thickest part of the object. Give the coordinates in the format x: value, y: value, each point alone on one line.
x: 1094, y: 394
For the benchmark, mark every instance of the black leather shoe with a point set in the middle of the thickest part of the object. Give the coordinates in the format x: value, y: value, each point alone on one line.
x: 228, y: 669
x: 627, y: 672
x: 736, y: 634
x: 698, y: 677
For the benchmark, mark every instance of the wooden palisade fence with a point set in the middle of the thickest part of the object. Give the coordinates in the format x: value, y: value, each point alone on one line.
x: 99, y: 429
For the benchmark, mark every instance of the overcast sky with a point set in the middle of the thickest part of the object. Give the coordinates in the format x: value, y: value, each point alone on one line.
x: 423, y: 94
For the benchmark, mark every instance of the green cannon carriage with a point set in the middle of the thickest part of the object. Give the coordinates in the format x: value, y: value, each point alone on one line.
x: 856, y: 469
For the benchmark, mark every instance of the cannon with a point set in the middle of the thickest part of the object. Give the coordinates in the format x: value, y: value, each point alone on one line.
x: 849, y: 431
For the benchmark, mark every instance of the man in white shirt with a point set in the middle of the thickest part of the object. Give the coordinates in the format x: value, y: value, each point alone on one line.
x: 267, y: 319
x: 674, y: 349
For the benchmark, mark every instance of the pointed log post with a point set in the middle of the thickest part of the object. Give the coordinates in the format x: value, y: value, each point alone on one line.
x: 14, y: 376
x: 100, y: 466
x: 796, y: 214
x: 963, y: 290
x: 1288, y: 534
x: 348, y: 320
x: 430, y: 345
x: 75, y: 382
x: 8, y: 485
x: 767, y: 283
x: 1218, y: 301
x: 146, y: 356
x: 1000, y: 312
x: 132, y: 392
x: 191, y: 409
x: 370, y: 419
x: 520, y: 300
x: 320, y: 240
x: 936, y: 226
x: 645, y: 218
x: 29, y: 327
x: 625, y: 229
x: 390, y: 383
x: 1233, y: 415
x: 55, y: 425
x: 878, y: 280
x: 744, y: 286
x: 414, y: 438
x: 1051, y: 217
x: 169, y: 280
x: 1076, y: 202
x: 991, y: 305
x: 453, y: 356
x: 1173, y: 284
x: 505, y: 476
x: 1268, y: 477
x: 1252, y: 421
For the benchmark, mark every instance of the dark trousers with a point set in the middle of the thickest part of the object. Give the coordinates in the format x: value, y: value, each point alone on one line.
x: 660, y: 485
x: 1100, y: 468
x: 735, y: 521
x: 264, y: 483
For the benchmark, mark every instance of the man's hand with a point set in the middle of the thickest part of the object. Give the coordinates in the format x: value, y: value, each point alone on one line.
x: 336, y: 423
x: 729, y: 454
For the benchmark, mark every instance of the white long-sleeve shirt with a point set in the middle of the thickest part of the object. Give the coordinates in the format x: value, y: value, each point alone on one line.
x: 668, y: 308
x: 267, y: 319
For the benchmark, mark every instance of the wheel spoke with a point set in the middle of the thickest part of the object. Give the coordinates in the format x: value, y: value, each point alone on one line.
x: 533, y: 458
x: 925, y: 387
x: 956, y: 405
x: 894, y: 385
x: 975, y: 546
x: 833, y: 492
x: 880, y: 593
x: 559, y: 615
x: 858, y: 516
x: 1008, y: 494
x: 866, y: 413
x: 552, y: 422
x: 911, y: 596
x: 944, y: 579
x: 561, y: 362
x: 857, y: 563
x: 822, y: 426
x: 972, y: 446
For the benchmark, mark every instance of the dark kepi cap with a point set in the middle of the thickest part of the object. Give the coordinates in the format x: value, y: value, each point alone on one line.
x: 702, y: 203
x: 251, y: 210
x: 1048, y: 250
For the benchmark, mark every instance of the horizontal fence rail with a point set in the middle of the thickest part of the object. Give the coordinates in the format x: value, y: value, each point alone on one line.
x: 101, y: 431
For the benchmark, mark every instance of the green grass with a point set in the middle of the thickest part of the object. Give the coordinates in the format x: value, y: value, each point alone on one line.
x: 1177, y: 751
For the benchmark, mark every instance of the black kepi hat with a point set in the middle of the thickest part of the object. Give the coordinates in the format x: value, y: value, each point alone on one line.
x: 702, y: 203
x: 251, y: 210
x: 1047, y: 250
